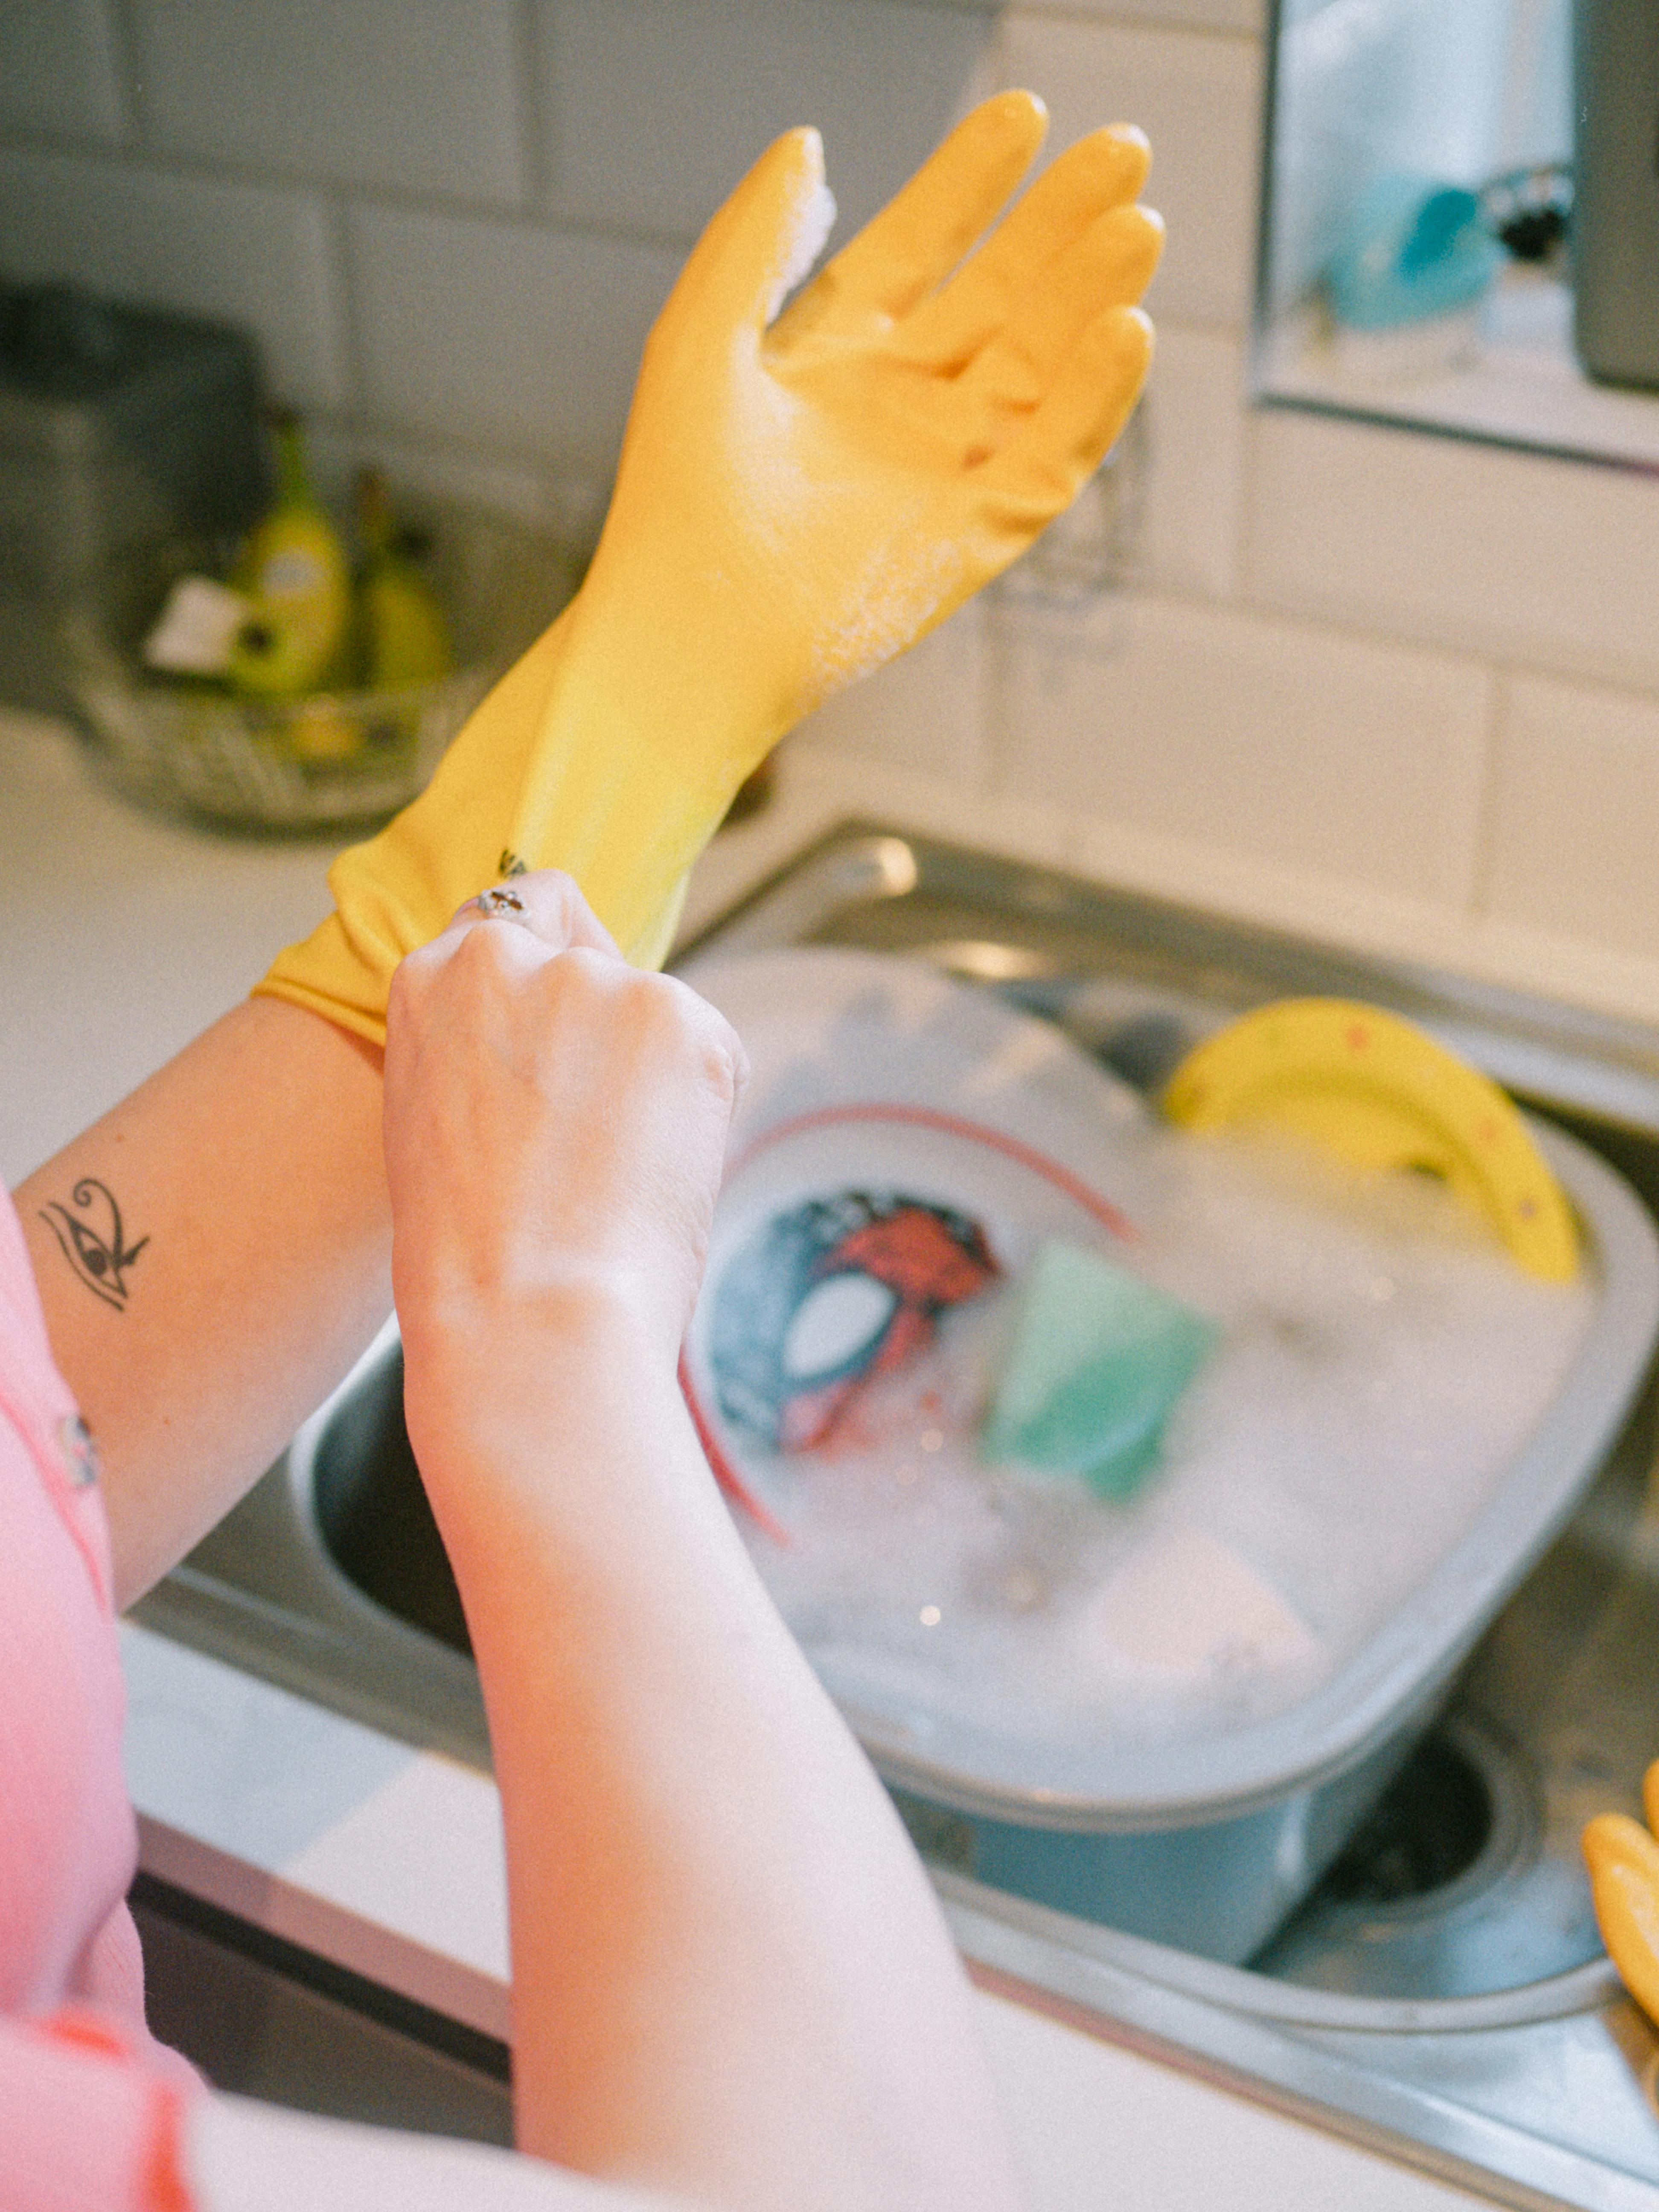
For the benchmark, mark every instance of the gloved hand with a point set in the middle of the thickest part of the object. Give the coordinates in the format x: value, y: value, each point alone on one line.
x: 1624, y: 1868
x: 796, y: 502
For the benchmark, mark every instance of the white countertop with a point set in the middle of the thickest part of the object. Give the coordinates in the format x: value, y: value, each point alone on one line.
x: 123, y: 937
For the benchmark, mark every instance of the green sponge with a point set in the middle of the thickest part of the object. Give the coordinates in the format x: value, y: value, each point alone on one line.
x: 1097, y: 1363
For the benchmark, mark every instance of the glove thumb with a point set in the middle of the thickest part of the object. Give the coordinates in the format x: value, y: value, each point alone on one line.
x: 761, y: 243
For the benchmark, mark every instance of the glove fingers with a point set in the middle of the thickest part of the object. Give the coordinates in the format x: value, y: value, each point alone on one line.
x: 1040, y: 469
x: 1108, y: 266
x: 1105, y: 170
x: 1650, y: 1796
x: 752, y: 247
x: 922, y: 233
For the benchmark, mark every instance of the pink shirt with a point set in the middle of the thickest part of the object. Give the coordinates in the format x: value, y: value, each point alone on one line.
x: 90, y: 2105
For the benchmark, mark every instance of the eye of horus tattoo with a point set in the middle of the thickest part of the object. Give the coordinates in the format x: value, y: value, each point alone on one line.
x: 93, y: 1241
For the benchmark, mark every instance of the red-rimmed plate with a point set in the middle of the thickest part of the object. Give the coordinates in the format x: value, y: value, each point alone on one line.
x: 893, y: 1118
x: 856, y: 1294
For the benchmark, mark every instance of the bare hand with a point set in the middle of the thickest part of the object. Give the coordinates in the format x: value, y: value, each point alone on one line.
x: 554, y: 1126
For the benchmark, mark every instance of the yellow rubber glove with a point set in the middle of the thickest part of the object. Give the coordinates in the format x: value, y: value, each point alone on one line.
x: 796, y: 502
x: 1624, y: 1868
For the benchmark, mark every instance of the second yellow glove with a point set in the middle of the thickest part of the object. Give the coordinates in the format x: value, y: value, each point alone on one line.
x: 1624, y: 1868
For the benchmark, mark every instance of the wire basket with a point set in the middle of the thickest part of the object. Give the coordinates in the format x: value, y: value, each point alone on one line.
x: 330, y: 760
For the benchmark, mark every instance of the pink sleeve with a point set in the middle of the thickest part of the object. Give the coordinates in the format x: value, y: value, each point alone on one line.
x: 87, y: 2125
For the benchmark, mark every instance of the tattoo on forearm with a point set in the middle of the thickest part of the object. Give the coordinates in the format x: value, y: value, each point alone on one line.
x: 95, y: 1245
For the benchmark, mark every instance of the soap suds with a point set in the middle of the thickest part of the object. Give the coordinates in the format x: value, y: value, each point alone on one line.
x: 815, y: 223
x: 1382, y: 1363
x: 1184, y: 1607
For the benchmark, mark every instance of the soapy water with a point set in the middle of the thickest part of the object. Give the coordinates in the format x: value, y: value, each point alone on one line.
x: 1381, y: 1362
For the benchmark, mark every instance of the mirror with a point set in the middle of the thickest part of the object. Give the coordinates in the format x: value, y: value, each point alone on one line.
x: 1461, y: 219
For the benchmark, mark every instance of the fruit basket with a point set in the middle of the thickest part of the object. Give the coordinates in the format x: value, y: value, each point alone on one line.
x: 329, y: 759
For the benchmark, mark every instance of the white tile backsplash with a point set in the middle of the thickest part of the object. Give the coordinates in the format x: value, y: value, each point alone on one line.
x: 421, y: 95
x: 529, y: 337
x: 1249, y: 15
x: 1280, y: 742
x: 57, y: 69
x: 1575, y: 826
x: 656, y: 109
x: 451, y: 221
x: 922, y: 713
x: 1515, y: 556
x: 204, y: 245
x: 1195, y: 421
x: 1198, y: 100
x: 337, y: 448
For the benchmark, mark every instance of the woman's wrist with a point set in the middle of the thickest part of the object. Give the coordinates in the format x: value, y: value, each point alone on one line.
x: 557, y: 1408
x: 461, y: 1325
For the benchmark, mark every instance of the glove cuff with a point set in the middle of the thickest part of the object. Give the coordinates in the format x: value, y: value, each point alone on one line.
x: 547, y: 774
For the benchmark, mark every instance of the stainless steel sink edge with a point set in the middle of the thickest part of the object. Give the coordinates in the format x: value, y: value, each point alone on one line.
x: 262, y: 1592
x: 1288, y: 2069
x: 1206, y: 2019
x: 1605, y: 1063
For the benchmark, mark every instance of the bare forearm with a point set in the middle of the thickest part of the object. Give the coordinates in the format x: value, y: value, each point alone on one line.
x: 729, y: 1976
x: 212, y: 1255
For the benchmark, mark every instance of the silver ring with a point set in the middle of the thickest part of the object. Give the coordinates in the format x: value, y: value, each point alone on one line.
x: 499, y: 905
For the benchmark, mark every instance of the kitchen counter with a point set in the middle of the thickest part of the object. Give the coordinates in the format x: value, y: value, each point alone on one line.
x: 125, y: 935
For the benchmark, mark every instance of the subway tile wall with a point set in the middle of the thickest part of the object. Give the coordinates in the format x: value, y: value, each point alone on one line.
x: 1399, y: 691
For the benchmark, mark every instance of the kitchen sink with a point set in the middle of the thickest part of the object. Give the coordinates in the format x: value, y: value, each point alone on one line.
x: 1442, y: 1994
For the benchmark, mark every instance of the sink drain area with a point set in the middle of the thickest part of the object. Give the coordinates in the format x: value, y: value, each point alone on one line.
x: 1434, y: 1823
x: 1453, y: 1887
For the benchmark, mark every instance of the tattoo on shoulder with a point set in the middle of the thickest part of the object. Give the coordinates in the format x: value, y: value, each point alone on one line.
x: 93, y: 1240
